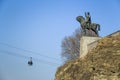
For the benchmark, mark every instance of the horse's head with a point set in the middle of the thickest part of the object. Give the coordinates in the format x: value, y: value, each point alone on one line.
x: 80, y: 19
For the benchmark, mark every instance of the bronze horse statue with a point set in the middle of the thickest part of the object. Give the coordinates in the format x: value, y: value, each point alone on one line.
x: 93, y: 26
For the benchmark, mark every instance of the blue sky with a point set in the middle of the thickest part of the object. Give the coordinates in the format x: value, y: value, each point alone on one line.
x: 40, y: 26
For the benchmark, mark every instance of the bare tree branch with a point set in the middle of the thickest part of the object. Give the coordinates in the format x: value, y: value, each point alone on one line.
x: 71, y: 46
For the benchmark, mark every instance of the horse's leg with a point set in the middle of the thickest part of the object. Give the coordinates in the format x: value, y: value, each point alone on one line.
x: 84, y: 32
x: 84, y: 27
x: 94, y: 28
x: 97, y: 33
x: 98, y: 27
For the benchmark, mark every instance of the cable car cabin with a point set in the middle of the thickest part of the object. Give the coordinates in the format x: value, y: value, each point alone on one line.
x: 30, y: 62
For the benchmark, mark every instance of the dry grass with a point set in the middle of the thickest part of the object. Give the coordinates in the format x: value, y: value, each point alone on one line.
x: 102, y: 63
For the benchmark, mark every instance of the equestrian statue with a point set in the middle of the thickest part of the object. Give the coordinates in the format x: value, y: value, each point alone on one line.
x: 87, y: 26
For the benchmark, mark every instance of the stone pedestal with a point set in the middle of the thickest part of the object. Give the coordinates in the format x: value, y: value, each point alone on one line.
x: 90, y: 33
x: 86, y: 44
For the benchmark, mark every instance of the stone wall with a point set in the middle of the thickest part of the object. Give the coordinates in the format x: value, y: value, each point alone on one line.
x: 115, y: 33
x: 86, y: 44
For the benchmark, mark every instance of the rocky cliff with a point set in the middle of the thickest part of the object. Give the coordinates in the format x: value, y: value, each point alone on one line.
x: 101, y: 63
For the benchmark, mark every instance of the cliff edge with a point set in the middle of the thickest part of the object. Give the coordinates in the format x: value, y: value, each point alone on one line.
x: 101, y: 63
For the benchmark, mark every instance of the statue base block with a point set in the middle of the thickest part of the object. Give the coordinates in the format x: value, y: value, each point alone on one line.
x: 90, y: 33
x: 86, y: 44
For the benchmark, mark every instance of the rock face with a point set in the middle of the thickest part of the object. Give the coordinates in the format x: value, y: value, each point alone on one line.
x: 101, y: 63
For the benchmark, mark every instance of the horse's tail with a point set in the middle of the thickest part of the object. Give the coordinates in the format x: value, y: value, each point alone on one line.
x: 98, y: 27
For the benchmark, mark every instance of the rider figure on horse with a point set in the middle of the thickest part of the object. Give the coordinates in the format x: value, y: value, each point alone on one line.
x: 88, y: 20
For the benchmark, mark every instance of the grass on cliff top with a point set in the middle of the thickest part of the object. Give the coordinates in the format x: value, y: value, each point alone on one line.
x: 103, y: 60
